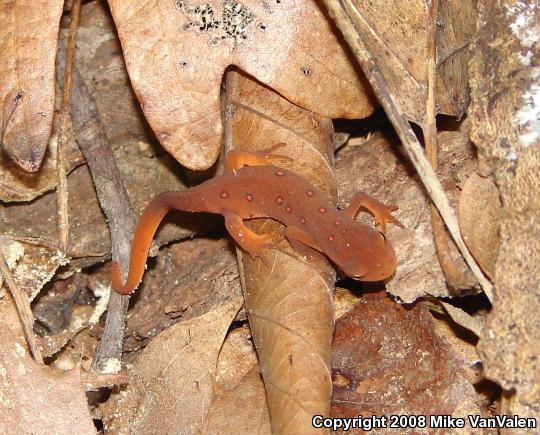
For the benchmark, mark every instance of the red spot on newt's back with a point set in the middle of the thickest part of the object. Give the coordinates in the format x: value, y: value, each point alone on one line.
x: 224, y: 194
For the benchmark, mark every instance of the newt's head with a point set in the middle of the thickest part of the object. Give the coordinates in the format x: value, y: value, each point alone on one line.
x: 370, y: 257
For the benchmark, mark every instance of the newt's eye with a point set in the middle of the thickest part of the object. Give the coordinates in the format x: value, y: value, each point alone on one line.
x: 358, y: 277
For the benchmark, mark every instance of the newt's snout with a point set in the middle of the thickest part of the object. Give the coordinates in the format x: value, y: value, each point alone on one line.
x: 374, y: 259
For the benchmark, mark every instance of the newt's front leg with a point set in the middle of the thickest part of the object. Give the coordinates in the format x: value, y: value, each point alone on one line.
x: 238, y: 159
x: 381, y: 212
x: 254, y: 244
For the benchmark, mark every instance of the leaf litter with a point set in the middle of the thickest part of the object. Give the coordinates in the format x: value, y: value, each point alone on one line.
x: 188, y: 367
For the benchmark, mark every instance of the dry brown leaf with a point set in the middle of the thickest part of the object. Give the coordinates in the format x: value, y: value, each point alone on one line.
x: 88, y: 232
x: 479, y: 210
x: 34, y: 398
x: 290, y: 306
x: 463, y: 319
x: 177, y: 51
x: 28, y: 40
x: 410, y: 371
x: 239, y: 401
x: 18, y: 185
x: 396, y: 35
x: 455, y: 162
x: 32, y: 265
x: 344, y: 301
x: 505, y: 79
x: 189, y: 278
x: 145, y: 174
x: 171, y: 384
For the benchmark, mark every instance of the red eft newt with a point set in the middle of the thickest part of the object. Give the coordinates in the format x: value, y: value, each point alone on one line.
x: 251, y: 189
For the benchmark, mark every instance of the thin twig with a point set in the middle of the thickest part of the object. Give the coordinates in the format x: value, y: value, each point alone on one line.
x: 112, y: 196
x: 346, y: 16
x: 62, y: 195
x: 23, y: 307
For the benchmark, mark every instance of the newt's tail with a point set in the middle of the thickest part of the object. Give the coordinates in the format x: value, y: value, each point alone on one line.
x: 146, y: 228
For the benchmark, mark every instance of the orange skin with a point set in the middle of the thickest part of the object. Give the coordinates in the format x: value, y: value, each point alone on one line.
x: 259, y: 191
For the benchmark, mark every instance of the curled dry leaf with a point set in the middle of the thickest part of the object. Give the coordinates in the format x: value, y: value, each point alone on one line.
x: 410, y: 371
x: 455, y: 162
x: 28, y: 40
x: 479, y: 210
x: 239, y: 401
x: 172, y: 380
x: 396, y: 35
x: 290, y: 305
x: 505, y: 79
x: 35, y: 398
x: 177, y: 51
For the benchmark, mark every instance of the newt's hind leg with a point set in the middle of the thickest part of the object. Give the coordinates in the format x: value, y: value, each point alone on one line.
x: 256, y: 245
x: 381, y: 212
x: 303, y: 243
x: 238, y: 159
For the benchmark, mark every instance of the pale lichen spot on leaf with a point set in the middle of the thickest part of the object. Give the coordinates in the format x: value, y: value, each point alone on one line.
x: 233, y: 26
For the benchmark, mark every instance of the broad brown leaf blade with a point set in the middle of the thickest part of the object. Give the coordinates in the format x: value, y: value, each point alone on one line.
x: 172, y: 380
x: 395, y: 33
x: 35, y: 398
x: 239, y: 402
x: 479, y: 210
x: 389, y: 360
x: 28, y: 40
x: 176, y: 64
x: 290, y: 305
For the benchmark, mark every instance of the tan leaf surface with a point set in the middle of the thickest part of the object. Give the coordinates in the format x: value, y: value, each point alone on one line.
x: 239, y: 401
x: 479, y: 210
x: 410, y: 371
x: 177, y: 51
x: 290, y: 306
x: 172, y: 380
x: 28, y: 39
x: 395, y: 32
x: 33, y: 398
x: 505, y: 79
